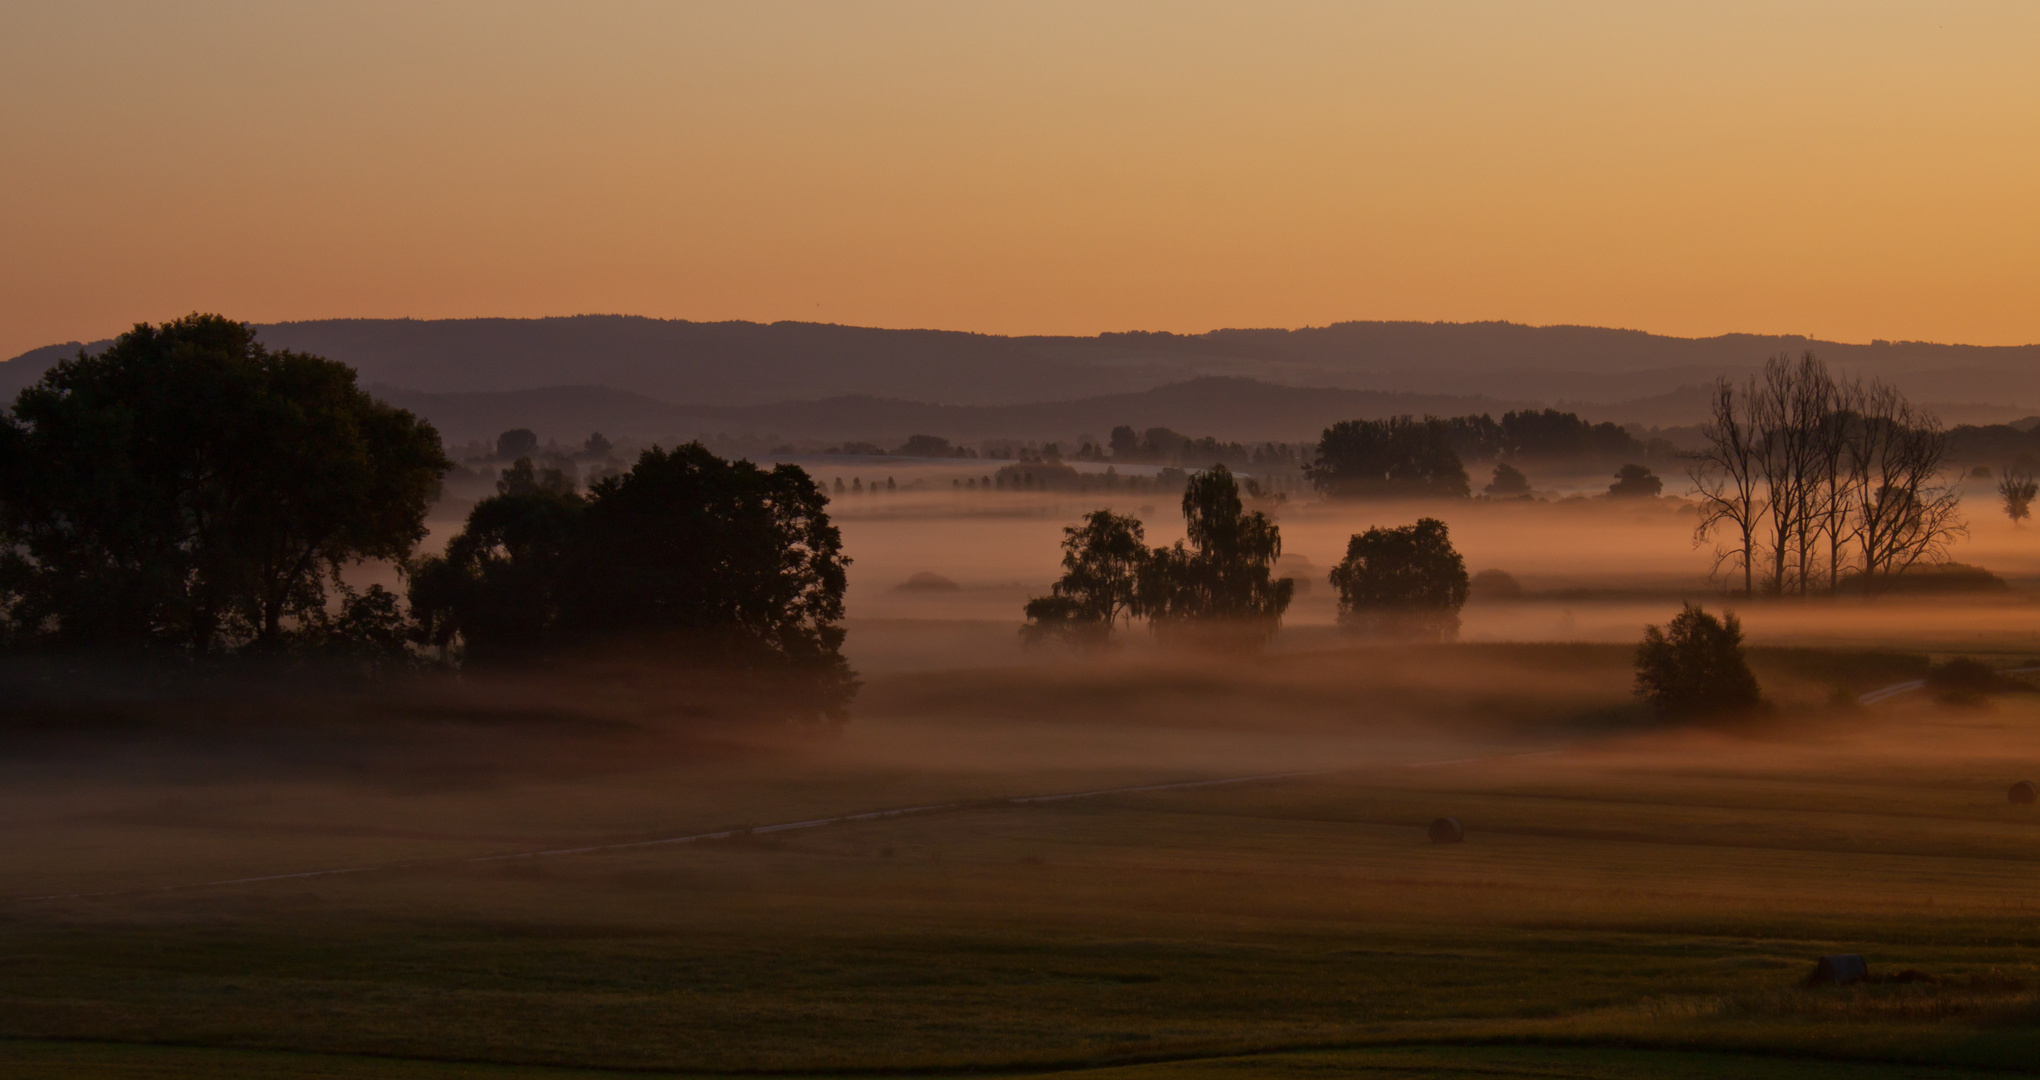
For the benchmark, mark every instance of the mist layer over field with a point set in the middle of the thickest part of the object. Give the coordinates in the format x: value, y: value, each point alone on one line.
x: 1591, y: 570
x: 1013, y: 858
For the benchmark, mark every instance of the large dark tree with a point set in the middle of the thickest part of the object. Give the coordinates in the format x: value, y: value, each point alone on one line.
x: 189, y: 489
x: 1402, y: 582
x: 499, y: 586
x: 1223, y: 577
x: 701, y: 560
x: 1397, y: 458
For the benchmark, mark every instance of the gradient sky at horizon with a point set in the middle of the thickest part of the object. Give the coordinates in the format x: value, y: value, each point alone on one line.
x: 1846, y: 170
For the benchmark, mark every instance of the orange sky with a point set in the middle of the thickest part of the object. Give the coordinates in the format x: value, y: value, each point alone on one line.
x: 1849, y: 170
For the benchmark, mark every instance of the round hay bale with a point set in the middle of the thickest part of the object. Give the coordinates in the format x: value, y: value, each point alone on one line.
x: 1447, y: 830
x: 1839, y: 970
x: 2022, y: 793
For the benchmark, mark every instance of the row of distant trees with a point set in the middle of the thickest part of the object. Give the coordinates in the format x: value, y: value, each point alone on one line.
x: 1218, y: 583
x: 1411, y: 448
x: 1810, y: 482
x: 1410, y: 458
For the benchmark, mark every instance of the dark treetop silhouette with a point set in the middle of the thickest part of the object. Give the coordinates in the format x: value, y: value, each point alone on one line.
x: 1695, y: 666
x: 1218, y: 586
x: 189, y: 490
x: 1404, y: 582
x: 718, y: 562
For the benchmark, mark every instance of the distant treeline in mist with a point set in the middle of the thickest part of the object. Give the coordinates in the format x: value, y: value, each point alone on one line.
x: 1406, y: 457
x: 188, y: 495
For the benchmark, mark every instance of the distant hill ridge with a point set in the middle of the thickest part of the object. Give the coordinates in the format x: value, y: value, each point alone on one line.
x: 816, y: 369
x: 1228, y: 407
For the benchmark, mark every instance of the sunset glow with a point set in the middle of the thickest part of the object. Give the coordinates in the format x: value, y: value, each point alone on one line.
x: 1851, y: 171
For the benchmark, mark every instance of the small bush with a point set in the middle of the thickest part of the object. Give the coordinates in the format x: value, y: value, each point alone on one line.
x: 1695, y: 666
x: 1962, y: 680
x: 1489, y: 585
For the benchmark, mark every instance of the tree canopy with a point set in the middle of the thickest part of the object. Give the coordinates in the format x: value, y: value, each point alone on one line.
x: 1695, y: 666
x: 1102, y: 560
x: 1635, y: 482
x: 1225, y: 572
x: 1508, y: 483
x: 1402, y: 582
x: 716, y: 561
x: 1400, y: 457
x: 1219, y: 584
x: 189, y: 490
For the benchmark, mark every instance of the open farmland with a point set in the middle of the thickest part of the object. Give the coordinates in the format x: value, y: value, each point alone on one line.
x: 1625, y: 891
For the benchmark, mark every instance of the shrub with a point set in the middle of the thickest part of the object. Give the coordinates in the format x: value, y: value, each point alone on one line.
x: 1635, y: 482
x: 1403, y: 582
x: 1508, y: 483
x: 1962, y: 680
x: 1491, y: 585
x: 1695, y: 666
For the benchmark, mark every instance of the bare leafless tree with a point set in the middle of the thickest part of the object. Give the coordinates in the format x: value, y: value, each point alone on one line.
x: 1906, y: 508
x: 2017, y: 489
x: 1836, y: 485
x: 1727, y: 475
x: 1806, y: 478
x: 1791, y: 402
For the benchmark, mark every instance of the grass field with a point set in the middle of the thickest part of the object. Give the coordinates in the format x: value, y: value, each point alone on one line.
x: 1631, y: 900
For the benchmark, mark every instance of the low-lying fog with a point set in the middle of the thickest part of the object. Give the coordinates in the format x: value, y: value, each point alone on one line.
x: 1591, y: 570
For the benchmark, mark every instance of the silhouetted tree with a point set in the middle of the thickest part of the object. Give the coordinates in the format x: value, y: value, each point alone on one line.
x: 1728, y: 475
x: 500, y: 586
x: 1494, y: 585
x: 926, y: 446
x: 1695, y: 666
x: 1402, y: 582
x: 1125, y: 443
x: 2017, y: 489
x: 597, y: 446
x: 714, y: 562
x: 1508, y: 483
x: 1477, y: 438
x: 521, y: 479
x: 188, y: 488
x: 1224, y: 574
x: 1551, y: 434
x: 1400, y: 457
x: 1906, y: 511
x: 1102, y: 560
x: 1635, y: 482
x: 1801, y: 469
x: 516, y: 443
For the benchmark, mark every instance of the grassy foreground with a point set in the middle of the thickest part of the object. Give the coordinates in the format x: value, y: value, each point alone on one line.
x: 1640, y: 904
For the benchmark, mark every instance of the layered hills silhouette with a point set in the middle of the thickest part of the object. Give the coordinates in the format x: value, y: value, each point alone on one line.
x: 1228, y: 407
x: 659, y: 378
